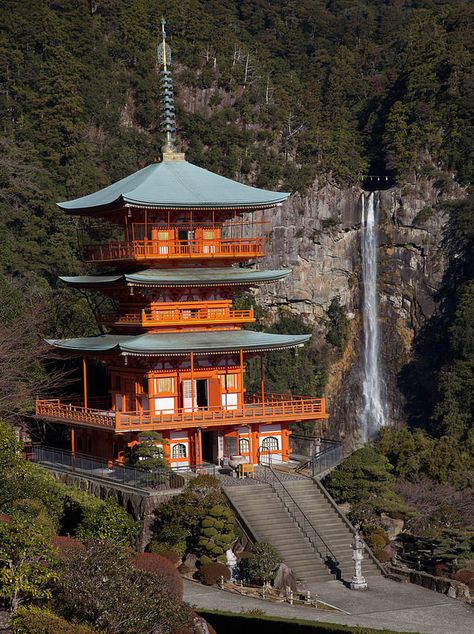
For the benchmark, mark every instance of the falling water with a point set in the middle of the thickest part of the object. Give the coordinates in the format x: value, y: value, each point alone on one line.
x: 373, y: 415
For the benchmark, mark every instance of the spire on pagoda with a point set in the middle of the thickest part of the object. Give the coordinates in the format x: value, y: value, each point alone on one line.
x: 169, y: 116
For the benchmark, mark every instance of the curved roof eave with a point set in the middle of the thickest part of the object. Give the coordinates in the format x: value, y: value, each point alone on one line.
x: 180, y: 277
x: 181, y: 344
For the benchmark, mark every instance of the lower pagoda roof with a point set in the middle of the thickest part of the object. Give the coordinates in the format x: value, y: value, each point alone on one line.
x: 181, y: 343
x: 230, y: 276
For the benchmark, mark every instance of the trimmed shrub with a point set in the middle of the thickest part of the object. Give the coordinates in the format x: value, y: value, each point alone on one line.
x: 169, y: 551
x: 217, y: 531
x: 162, y: 568
x: 108, y: 521
x: 212, y: 573
x: 33, y: 620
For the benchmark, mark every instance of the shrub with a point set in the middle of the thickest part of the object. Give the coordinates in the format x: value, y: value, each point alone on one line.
x: 162, y: 568
x: 377, y: 539
x: 169, y: 551
x: 108, y: 521
x: 212, y: 573
x: 101, y: 587
x: 217, y: 531
x: 67, y: 546
x: 263, y: 562
x: 33, y: 620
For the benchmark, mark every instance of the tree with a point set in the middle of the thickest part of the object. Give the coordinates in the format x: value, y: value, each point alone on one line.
x: 27, y: 563
x: 108, y: 521
x: 217, y: 533
x: 338, y: 324
x: 148, y: 453
x: 364, y: 476
x: 100, y: 587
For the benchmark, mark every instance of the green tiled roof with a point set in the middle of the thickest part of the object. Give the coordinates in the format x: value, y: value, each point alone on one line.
x: 180, y: 277
x: 182, y: 343
x: 174, y: 184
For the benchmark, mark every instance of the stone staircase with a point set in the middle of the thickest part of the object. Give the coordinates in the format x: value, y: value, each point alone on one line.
x: 267, y: 519
x: 330, y: 525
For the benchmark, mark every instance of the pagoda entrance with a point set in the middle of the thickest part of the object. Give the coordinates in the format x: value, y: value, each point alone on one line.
x: 210, y: 447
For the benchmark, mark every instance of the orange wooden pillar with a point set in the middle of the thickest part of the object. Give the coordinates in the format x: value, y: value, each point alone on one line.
x: 198, y: 446
x: 84, y: 378
x: 254, y: 448
x: 285, y: 443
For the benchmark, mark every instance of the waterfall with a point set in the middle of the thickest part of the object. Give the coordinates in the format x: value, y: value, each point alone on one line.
x: 373, y: 414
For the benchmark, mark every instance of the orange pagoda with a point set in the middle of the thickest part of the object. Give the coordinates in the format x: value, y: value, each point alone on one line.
x: 176, y: 348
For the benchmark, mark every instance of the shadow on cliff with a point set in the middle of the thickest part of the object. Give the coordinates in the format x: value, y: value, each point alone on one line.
x: 432, y: 348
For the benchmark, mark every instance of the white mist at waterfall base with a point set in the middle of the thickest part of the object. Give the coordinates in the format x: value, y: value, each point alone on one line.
x: 373, y: 415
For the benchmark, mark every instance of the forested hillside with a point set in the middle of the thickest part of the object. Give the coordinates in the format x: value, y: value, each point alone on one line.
x: 277, y: 94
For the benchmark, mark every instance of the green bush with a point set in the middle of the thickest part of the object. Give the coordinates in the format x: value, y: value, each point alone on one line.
x: 33, y: 620
x: 211, y: 573
x: 217, y: 531
x: 109, y: 521
x: 169, y: 551
x: 262, y: 562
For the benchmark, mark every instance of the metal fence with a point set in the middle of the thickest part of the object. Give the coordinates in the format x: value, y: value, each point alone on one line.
x: 156, y: 480
x: 315, y: 453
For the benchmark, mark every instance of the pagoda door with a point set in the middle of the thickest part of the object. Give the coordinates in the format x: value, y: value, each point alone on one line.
x: 161, y: 240
x: 214, y: 391
x: 130, y: 399
x: 187, y: 396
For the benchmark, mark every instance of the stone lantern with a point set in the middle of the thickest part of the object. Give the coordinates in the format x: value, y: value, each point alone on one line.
x: 358, y: 582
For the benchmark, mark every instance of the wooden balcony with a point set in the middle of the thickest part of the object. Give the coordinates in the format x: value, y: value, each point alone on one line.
x: 279, y: 409
x: 199, y: 249
x: 178, y: 317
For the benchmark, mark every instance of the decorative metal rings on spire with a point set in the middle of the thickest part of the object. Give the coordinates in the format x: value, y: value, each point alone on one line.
x: 169, y: 115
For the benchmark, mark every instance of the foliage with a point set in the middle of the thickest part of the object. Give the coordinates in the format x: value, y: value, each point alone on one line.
x: 31, y: 490
x: 437, y: 505
x: 100, y: 587
x: 338, y: 324
x: 109, y: 521
x: 217, y: 531
x: 179, y: 519
x: 449, y: 547
x: 169, y: 551
x: 34, y: 620
x: 213, y: 572
x: 27, y: 564
x: 162, y: 568
x: 263, y: 562
x: 413, y: 454
x: 377, y: 539
x: 146, y: 454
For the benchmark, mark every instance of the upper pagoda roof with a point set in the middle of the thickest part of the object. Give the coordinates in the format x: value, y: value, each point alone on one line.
x: 167, y: 278
x: 181, y: 343
x: 174, y: 183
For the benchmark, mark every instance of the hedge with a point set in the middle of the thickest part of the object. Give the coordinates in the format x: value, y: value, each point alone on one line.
x: 231, y: 623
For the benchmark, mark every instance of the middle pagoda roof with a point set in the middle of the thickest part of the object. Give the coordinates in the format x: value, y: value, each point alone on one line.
x: 186, y: 277
x: 174, y: 184
x: 182, y: 343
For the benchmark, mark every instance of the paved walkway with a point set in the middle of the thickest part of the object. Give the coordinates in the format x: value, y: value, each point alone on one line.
x: 387, y: 604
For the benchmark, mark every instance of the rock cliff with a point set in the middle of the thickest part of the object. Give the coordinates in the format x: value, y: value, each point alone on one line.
x: 318, y: 237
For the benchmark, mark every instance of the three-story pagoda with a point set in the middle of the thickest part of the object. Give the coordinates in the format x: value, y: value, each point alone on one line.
x: 177, y: 349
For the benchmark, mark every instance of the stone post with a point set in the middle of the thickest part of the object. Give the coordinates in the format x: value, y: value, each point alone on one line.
x: 358, y: 582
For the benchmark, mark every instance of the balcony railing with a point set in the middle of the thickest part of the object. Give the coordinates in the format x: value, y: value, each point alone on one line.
x: 178, y: 317
x: 293, y: 409
x: 148, y: 250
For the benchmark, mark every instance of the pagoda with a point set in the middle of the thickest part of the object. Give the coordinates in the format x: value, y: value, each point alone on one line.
x: 176, y: 348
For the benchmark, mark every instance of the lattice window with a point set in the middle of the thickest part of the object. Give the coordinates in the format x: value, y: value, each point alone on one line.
x: 178, y: 451
x: 229, y: 381
x: 164, y: 385
x: 270, y: 443
x: 244, y: 446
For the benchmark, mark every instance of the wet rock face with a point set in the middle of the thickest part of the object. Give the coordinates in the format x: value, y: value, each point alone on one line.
x: 318, y: 237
